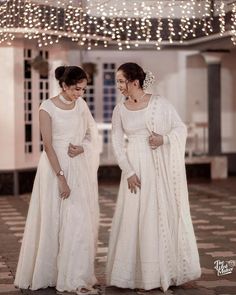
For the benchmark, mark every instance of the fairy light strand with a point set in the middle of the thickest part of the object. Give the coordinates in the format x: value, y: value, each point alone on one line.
x: 126, y: 23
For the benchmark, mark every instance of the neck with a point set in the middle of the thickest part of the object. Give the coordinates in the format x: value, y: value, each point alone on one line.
x: 138, y: 96
x: 65, y: 96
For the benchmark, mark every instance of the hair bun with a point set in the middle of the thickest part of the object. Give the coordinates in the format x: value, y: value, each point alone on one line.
x: 59, y: 72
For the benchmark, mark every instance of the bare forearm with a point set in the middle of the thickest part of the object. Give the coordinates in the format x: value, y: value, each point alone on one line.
x: 64, y: 189
x: 52, y: 157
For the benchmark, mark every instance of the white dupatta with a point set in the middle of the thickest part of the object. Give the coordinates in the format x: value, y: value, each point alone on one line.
x: 87, y: 136
x: 181, y: 263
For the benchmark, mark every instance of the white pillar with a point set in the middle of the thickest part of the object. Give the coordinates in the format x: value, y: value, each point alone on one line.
x: 7, y: 109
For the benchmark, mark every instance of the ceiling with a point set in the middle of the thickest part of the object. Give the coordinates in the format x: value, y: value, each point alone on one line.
x: 122, y: 24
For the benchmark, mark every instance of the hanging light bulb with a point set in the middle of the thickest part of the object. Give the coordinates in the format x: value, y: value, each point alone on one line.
x: 105, y: 22
x: 233, y: 24
x: 222, y: 18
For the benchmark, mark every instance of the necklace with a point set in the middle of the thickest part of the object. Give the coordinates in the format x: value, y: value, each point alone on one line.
x: 135, y: 100
x: 62, y: 98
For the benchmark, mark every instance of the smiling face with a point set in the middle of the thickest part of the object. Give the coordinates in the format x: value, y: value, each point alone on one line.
x: 122, y: 83
x: 73, y: 92
x: 126, y: 87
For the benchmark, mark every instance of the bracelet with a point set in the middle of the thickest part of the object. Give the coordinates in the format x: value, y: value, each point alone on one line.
x: 60, y: 173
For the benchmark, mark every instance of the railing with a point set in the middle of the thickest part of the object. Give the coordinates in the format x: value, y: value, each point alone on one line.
x: 107, y: 156
x: 196, y: 142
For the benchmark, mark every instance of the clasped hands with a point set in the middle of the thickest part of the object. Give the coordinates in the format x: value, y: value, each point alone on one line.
x: 155, y: 140
x: 64, y: 189
x: 74, y: 150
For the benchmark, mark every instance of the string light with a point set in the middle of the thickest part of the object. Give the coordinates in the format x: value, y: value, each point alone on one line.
x: 171, y: 21
x: 107, y: 22
x: 222, y: 18
x: 233, y: 24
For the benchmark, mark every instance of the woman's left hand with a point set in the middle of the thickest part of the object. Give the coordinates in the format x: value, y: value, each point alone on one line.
x: 74, y: 150
x: 155, y: 140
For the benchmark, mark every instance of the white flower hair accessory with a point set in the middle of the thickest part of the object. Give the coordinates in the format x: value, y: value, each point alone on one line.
x: 149, y: 80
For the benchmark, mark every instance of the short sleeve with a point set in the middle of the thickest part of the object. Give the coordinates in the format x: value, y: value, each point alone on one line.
x: 46, y: 105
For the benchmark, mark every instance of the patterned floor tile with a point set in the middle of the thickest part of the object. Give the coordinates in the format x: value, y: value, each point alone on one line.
x: 7, y: 288
x: 213, y: 213
x: 204, y: 227
x: 213, y: 284
x: 207, y: 246
x: 224, y: 233
x: 222, y: 254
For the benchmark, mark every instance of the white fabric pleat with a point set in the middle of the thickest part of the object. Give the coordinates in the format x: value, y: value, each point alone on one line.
x: 60, y: 238
x: 152, y: 242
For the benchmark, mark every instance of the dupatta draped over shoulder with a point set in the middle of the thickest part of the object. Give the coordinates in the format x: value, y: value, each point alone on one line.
x: 173, y: 257
x: 60, y: 238
x: 180, y: 259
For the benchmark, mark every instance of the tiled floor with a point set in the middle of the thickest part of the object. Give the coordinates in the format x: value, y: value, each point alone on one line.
x: 213, y: 208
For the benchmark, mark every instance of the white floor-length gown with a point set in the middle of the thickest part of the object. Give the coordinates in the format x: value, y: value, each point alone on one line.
x: 152, y: 243
x: 59, y: 243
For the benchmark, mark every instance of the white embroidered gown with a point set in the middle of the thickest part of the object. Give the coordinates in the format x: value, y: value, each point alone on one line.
x: 136, y: 246
x: 59, y: 243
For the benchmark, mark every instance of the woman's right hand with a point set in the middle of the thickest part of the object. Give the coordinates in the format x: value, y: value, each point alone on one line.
x: 133, y: 182
x: 64, y: 189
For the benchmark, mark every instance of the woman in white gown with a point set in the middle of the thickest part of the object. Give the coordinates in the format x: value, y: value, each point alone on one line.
x: 59, y: 243
x: 152, y: 242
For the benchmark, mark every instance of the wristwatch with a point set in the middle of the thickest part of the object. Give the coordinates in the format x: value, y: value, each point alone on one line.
x: 60, y: 173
